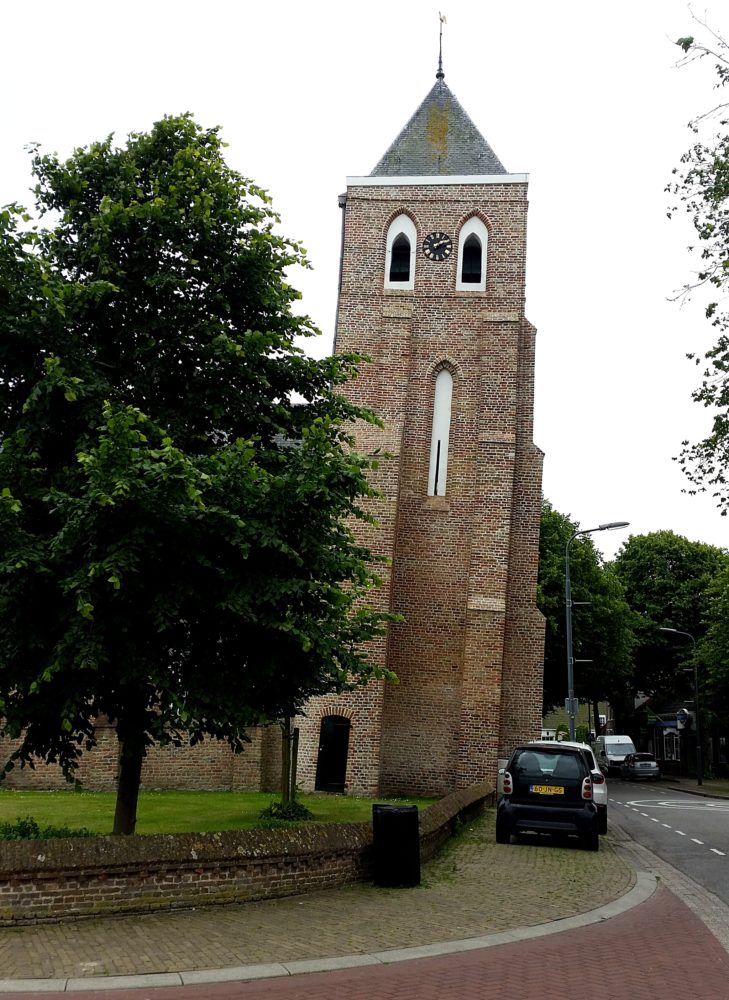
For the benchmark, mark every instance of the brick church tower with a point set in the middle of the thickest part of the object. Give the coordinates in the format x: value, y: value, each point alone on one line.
x: 432, y: 290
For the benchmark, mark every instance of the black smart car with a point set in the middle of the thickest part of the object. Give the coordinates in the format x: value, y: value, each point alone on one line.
x: 547, y: 790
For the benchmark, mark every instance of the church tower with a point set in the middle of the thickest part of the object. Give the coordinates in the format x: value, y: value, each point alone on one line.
x: 432, y: 291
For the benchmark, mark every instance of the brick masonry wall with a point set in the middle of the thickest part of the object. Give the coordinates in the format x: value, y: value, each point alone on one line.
x: 469, y: 652
x: 211, y: 765
x: 48, y: 880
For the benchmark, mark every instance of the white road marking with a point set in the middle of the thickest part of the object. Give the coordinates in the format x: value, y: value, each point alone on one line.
x: 667, y: 826
x: 697, y: 841
x: 645, y: 814
x: 715, y: 806
x: 653, y: 819
x: 721, y: 853
x: 680, y: 833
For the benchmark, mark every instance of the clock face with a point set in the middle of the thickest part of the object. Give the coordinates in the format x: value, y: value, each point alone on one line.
x: 437, y: 246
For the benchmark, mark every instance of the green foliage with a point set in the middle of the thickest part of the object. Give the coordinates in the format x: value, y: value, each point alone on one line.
x: 177, y: 478
x: 292, y: 811
x: 602, y: 627
x: 702, y: 188
x: 27, y: 829
x: 581, y: 733
x: 668, y: 584
x: 713, y: 660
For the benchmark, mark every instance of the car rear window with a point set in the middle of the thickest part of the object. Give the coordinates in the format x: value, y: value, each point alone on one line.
x: 535, y: 764
x: 643, y: 756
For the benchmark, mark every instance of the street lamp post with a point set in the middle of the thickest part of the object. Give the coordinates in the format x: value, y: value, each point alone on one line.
x: 571, y: 704
x: 699, y: 751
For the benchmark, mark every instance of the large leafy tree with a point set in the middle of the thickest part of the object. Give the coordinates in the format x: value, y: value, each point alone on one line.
x: 702, y: 186
x: 667, y: 581
x: 714, y: 646
x: 177, y: 478
x: 602, y: 621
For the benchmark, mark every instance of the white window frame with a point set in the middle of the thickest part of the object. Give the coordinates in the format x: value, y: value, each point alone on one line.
x: 472, y: 227
x: 440, y: 435
x: 402, y: 225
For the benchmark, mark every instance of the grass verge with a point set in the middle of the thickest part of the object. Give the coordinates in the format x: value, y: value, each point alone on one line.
x: 177, y: 811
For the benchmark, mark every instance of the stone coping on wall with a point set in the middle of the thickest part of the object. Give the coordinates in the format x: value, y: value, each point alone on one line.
x: 42, y: 857
x: 72, y: 878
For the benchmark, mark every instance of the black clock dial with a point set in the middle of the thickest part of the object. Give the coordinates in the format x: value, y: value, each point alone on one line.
x: 437, y: 246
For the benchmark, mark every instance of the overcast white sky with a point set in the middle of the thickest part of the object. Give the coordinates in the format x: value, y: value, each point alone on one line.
x: 585, y: 98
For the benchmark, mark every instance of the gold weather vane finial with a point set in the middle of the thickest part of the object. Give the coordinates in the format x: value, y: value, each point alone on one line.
x: 440, y: 74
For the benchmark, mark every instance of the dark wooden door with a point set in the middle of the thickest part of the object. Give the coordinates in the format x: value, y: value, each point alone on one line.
x: 331, y: 767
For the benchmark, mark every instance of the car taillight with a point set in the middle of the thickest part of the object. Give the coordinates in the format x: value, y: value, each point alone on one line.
x: 508, y: 784
x: 587, y: 788
x: 598, y: 779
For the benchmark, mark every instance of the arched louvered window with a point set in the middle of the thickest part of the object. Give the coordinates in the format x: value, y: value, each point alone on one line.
x: 472, y: 245
x: 442, y: 400
x: 400, y: 254
x: 400, y: 259
x: 472, y: 260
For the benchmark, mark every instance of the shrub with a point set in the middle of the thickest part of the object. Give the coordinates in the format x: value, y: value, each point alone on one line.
x: 291, y: 812
x: 26, y: 828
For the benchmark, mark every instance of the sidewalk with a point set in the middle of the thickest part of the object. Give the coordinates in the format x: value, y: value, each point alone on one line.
x: 473, y: 889
x: 488, y: 922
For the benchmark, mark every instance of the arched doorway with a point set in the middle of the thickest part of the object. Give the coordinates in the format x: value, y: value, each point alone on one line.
x: 331, y: 765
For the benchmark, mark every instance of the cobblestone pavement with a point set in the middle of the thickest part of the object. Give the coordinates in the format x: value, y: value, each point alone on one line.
x: 475, y: 887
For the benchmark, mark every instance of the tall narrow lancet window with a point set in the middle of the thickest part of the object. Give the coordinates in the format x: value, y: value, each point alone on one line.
x: 472, y: 244
x: 438, y: 472
x: 400, y: 254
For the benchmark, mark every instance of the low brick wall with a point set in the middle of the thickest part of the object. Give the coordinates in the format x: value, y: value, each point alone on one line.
x: 47, y: 880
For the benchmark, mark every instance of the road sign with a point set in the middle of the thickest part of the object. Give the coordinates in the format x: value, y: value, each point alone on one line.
x: 682, y: 717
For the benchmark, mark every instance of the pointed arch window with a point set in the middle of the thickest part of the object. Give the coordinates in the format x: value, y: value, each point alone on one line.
x: 400, y: 254
x: 400, y: 259
x: 442, y: 401
x: 472, y: 247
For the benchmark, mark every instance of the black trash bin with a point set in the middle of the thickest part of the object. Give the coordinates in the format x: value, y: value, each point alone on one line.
x: 396, y: 845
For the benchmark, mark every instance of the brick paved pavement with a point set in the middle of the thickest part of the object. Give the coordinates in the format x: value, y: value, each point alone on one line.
x: 474, y: 888
x: 659, y: 948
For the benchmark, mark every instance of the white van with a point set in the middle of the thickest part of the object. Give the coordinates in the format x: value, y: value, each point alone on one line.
x: 611, y: 750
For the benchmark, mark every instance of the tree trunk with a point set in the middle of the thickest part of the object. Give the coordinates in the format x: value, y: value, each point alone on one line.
x: 131, y: 756
x: 286, y: 761
x: 294, y: 762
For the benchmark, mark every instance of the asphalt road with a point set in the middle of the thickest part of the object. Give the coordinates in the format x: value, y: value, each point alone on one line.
x: 688, y: 831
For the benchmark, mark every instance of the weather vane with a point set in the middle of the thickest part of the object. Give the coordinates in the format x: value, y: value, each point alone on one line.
x: 440, y: 74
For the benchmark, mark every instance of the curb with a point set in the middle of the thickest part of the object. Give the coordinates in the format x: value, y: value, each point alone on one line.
x: 643, y: 889
x: 695, y: 791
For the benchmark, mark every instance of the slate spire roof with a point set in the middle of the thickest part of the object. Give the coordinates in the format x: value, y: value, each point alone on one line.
x: 440, y: 138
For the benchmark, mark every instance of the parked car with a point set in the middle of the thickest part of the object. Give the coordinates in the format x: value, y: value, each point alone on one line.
x: 640, y: 766
x: 599, y: 785
x: 548, y: 788
x: 611, y: 750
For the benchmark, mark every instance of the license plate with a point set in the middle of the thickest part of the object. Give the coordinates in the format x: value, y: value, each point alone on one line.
x: 547, y: 789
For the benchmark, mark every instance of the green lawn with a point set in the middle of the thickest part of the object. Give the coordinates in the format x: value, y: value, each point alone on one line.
x: 176, y: 812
